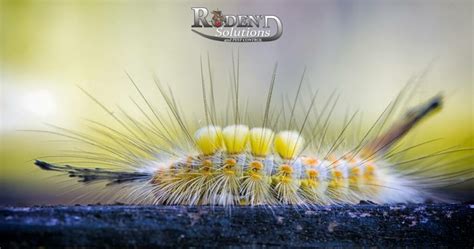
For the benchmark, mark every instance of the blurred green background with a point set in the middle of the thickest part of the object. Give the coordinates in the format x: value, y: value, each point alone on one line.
x: 365, y: 49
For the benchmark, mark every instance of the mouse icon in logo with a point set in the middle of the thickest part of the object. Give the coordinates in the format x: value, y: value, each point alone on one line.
x: 217, y: 18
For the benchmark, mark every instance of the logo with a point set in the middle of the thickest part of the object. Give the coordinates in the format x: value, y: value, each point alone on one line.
x: 236, y: 28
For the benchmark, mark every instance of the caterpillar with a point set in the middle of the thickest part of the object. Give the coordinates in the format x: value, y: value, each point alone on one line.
x: 281, y: 159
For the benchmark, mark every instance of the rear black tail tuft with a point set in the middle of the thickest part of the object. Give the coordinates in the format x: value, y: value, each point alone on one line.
x: 88, y: 175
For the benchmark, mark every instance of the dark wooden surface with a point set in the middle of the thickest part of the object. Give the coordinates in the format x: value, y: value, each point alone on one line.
x: 117, y: 226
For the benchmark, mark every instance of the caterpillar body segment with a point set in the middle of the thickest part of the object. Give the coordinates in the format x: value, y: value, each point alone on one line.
x: 242, y: 165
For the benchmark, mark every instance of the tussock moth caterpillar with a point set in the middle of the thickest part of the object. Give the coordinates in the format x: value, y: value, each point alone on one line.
x: 277, y: 158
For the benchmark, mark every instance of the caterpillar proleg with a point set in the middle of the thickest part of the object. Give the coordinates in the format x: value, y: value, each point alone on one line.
x: 281, y: 159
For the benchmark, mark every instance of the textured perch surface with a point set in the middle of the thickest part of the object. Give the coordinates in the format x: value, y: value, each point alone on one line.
x: 118, y: 226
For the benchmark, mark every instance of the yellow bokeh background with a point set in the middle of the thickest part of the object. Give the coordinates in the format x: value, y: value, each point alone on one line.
x: 367, y: 50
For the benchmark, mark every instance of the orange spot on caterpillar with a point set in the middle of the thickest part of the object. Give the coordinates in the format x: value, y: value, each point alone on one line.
x: 286, y: 169
x: 312, y: 173
x: 229, y: 166
x: 337, y: 173
x: 256, y: 165
x: 230, y: 162
x: 311, y: 161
